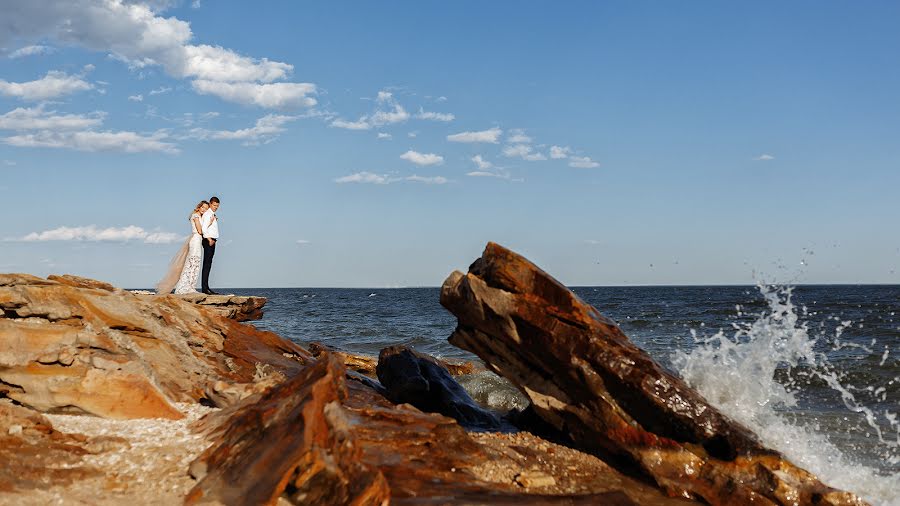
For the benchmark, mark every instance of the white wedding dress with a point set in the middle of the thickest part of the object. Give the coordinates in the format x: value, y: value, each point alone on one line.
x: 186, y: 265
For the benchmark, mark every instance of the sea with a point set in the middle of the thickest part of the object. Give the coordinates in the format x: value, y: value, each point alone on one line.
x: 814, y: 370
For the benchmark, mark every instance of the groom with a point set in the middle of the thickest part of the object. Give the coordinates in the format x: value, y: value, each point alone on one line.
x: 209, y: 225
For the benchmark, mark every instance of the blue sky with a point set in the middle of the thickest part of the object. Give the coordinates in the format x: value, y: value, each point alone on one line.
x: 363, y: 144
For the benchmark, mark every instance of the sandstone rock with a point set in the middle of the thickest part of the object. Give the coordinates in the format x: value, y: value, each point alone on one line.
x: 290, y: 440
x: 71, y: 344
x: 34, y: 454
x: 416, y: 379
x: 366, y: 365
x: 586, y: 378
x: 237, y: 307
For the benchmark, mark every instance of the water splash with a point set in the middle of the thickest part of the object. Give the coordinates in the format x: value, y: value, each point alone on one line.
x: 758, y: 376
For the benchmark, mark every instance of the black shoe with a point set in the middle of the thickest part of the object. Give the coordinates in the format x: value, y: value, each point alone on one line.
x: 210, y: 292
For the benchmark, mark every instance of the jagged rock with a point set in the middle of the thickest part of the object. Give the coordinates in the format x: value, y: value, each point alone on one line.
x: 34, y: 454
x: 416, y: 379
x: 75, y: 345
x: 290, y: 440
x: 237, y: 307
x: 364, y: 364
x: 586, y: 378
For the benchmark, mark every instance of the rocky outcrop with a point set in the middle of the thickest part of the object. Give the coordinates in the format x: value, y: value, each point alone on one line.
x: 586, y: 379
x: 289, y: 440
x: 366, y: 365
x: 237, y: 307
x: 412, y: 378
x: 69, y: 344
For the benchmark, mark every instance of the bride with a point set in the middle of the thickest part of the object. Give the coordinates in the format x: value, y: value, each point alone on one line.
x: 185, y: 267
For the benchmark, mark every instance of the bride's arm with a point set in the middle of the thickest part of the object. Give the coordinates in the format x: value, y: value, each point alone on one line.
x: 197, y: 227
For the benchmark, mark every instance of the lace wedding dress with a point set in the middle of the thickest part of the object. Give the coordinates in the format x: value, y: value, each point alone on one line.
x: 185, y: 267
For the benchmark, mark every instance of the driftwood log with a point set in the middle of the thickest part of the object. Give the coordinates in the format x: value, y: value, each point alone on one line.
x: 586, y: 378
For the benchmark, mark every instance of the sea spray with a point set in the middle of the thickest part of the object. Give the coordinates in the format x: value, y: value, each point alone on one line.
x: 757, y: 375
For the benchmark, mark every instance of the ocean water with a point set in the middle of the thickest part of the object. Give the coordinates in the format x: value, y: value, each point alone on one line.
x: 813, y: 370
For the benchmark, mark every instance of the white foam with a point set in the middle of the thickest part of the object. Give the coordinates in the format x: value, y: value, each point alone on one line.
x: 737, y: 374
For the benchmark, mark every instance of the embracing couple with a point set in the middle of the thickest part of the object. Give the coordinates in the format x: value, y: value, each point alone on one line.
x: 186, y: 266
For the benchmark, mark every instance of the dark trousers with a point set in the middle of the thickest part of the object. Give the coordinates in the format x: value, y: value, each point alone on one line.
x: 208, y: 253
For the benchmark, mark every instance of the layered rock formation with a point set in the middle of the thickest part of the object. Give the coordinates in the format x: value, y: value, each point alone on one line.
x: 74, y: 345
x: 585, y: 378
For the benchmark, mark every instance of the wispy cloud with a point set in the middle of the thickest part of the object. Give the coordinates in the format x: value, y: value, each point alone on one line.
x: 491, y: 136
x: 764, y: 158
x: 435, y: 116
x: 385, y: 136
x: 267, y: 95
x: 422, y: 159
x: 38, y: 118
x: 92, y: 233
x: 136, y: 98
x: 125, y: 141
x: 427, y: 179
x: 53, y: 85
x: 524, y: 152
x: 303, y: 242
x: 31, y: 51
x: 266, y: 130
x: 364, y: 178
x: 517, y: 136
x: 160, y: 90
x: 559, y: 152
x: 582, y: 162
x: 481, y: 163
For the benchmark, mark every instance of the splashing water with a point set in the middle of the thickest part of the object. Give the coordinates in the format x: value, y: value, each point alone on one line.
x: 759, y: 375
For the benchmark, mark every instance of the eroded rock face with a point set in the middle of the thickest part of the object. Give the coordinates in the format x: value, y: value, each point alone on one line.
x: 586, y: 378
x: 237, y: 307
x: 412, y: 378
x: 77, y: 345
x: 291, y: 440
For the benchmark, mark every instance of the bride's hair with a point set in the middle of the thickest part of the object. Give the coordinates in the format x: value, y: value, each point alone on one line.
x: 197, y: 209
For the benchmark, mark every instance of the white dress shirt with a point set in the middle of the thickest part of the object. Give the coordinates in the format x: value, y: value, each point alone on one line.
x: 209, y: 225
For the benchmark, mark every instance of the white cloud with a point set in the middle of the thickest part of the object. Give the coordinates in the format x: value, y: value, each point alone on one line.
x: 133, y: 32
x: 364, y: 177
x: 31, y: 51
x: 396, y: 115
x: 386, y: 136
x: 482, y: 163
x: 422, y: 159
x: 303, y: 242
x: 362, y: 124
x: 442, y: 99
x: 266, y: 129
x: 195, y: 4
x: 518, y: 137
x: 37, y: 118
x: 92, y: 233
x: 524, y: 152
x: 582, y: 162
x: 128, y: 142
x: 270, y: 96
x: 435, y: 116
x: 53, y: 85
x: 491, y: 136
x: 428, y: 179
x: 136, y: 98
x: 764, y: 158
x: 412, y: 135
x: 160, y: 90
x: 558, y: 152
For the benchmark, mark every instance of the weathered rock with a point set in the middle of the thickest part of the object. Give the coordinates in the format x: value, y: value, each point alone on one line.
x: 586, y: 378
x: 413, y: 378
x: 70, y: 344
x: 364, y: 364
x: 289, y: 440
x: 33, y: 454
x: 237, y: 307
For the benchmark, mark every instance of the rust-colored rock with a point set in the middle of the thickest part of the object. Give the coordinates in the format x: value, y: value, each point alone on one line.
x: 290, y: 440
x: 77, y: 345
x: 588, y: 380
x: 413, y: 378
x: 365, y: 365
x: 33, y: 454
